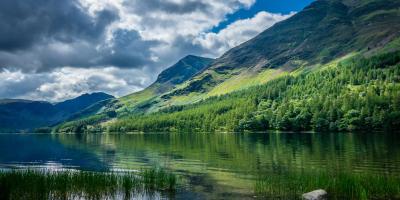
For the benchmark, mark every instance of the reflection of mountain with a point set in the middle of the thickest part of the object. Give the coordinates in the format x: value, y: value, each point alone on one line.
x: 210, y: 163
x: 215, y: 162
x: 242, y: 152
x: 45, y: 150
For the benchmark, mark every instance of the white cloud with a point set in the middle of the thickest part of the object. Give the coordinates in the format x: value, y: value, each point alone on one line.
x: 168, y: 22
x: 68, y: 82
x: 239, y: 32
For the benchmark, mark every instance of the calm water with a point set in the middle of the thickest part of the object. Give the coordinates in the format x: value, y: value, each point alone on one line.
x: 211, y: 165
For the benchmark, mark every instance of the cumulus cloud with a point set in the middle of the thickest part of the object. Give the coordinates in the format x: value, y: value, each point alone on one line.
x: 15, y: 84
x: 68, y: 82
x: 54, y: 50
x: 239, y: 32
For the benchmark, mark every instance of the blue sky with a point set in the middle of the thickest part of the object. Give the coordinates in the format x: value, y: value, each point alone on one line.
x: 272, y: 6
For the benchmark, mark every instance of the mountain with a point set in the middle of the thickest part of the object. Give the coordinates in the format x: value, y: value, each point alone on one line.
x: 322, y: 32
x: 333, y: 65
x: 18, y: 115
x: 77, y: 104
x: 24, y: 114
x: 183, y: 70
x: 168, y: 79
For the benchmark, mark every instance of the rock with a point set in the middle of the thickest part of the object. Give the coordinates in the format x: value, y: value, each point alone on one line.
x: 316, y: 195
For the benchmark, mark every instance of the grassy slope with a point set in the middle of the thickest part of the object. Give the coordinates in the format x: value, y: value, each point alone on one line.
x: 135, y: 99
x: 180, y: 72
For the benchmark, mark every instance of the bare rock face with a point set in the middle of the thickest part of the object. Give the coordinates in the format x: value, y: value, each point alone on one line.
x: 316, y: 195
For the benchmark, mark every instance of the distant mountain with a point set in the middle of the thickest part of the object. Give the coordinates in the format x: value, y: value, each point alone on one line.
x: 22, y: 114
x: 77, y: 104
x: 19, y: 115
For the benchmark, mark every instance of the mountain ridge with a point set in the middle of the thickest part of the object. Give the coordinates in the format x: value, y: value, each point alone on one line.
x: 20, y: 115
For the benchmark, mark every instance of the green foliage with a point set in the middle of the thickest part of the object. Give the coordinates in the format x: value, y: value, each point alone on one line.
x: 43, y: 130
x: 28, y: 184
x: 359, y: 94
x: 89, y: 124
x: 213, y: 114
x: 338, y: 184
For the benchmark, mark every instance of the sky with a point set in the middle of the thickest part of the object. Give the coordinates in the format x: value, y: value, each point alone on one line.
x: 58, y: 49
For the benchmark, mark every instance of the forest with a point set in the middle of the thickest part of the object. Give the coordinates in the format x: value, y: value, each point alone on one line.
x: 359, y: 93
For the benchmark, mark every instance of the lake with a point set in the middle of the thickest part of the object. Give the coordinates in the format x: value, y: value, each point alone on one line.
x: 211, y: 165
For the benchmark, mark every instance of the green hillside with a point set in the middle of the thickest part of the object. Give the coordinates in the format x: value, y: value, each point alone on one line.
x: 180, y: 72
x: 330, y: 66
x: 356, y: 94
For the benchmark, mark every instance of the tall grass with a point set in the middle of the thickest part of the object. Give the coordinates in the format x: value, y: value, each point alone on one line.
x: 29, y: 184
x: 339, y: 185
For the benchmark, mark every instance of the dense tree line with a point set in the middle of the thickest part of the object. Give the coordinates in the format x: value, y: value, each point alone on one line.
x: 88, y: 124
x: 358, y: 94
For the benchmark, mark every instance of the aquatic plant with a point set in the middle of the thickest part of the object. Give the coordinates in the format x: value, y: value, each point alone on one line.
x: 338, y: 184
x: 45, y: 184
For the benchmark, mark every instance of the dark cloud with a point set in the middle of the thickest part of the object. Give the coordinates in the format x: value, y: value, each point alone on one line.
x: 14, y: 84
x: 41, y: 35
x: 143, y: 6
x: 27, y: 22
x: 127, y: 50
x: 185, y: 45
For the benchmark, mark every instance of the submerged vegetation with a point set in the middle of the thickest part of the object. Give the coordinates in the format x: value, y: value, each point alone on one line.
x: 29, y: 184
x: 359, y: 93
x: 339, y: 185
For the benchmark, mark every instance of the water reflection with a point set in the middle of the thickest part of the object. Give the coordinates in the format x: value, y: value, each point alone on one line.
x: 222, y: 165
x: 30, y: 150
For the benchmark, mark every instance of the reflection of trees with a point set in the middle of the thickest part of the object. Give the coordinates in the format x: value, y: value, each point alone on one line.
x: 216, y: 163
x: 245, y: 153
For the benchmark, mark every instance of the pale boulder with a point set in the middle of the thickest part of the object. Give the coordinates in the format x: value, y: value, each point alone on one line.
x: 316, y: 195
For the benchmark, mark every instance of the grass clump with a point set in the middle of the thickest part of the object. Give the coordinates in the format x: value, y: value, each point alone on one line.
x: 29, y: 184
x: 159, y: 179
x: 339, y: 185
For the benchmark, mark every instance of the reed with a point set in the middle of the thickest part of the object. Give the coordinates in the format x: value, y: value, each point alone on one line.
x: 44, y: 184
x: 339, y: 185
